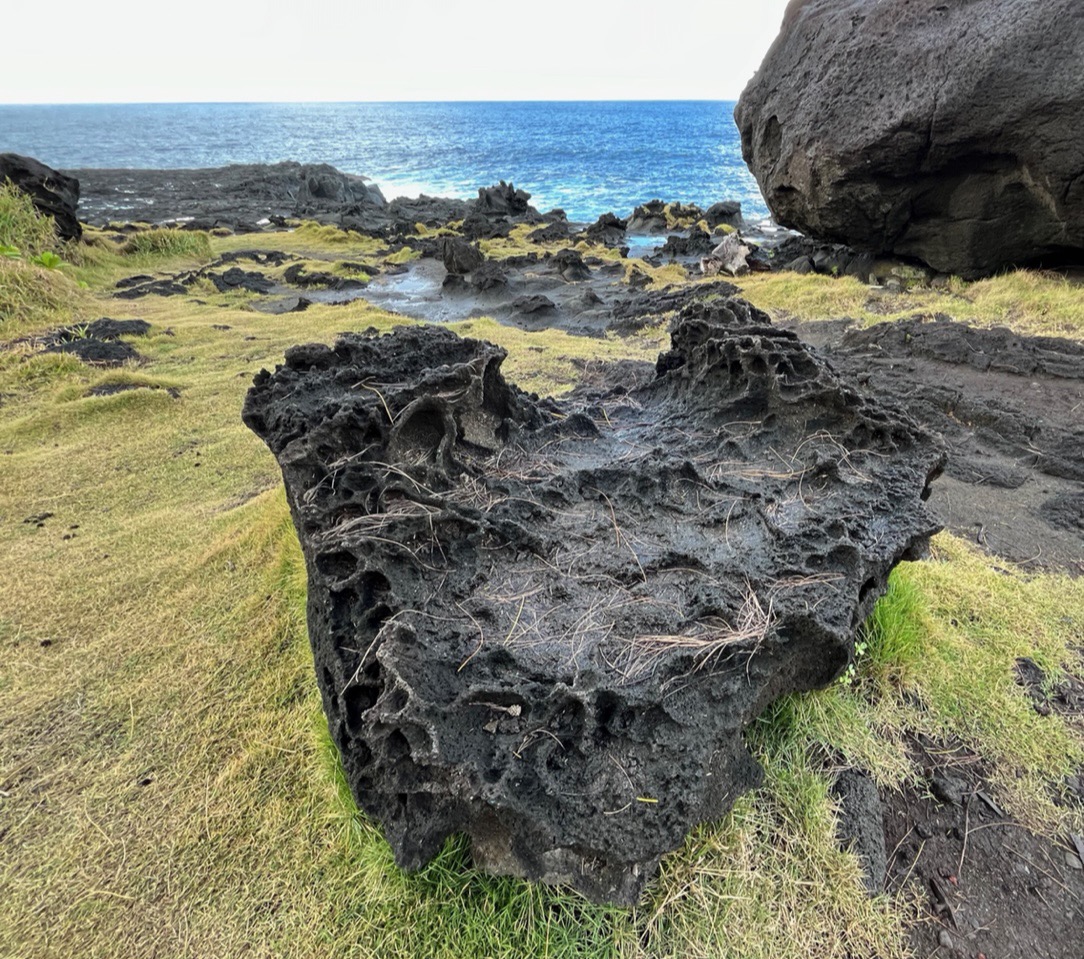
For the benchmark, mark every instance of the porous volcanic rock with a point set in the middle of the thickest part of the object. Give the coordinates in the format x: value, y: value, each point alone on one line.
x: 726, y: 213
x: 53, y: 193
x: 697, y: 243
x: 948, y: 132
x: 545, y: 625
x: 608, y: 230
x: 650, y: 217
x: 98, y: 343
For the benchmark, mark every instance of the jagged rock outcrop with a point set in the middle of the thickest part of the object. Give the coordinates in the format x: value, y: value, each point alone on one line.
x: 53, y: 193
x: 948, y: 132
x: 546, y: 625
x: 649, y: 217
x: 697, y: 243
x: 459, y: 256
x: 609, y: 230
x: 503, y: 199
x: 726, y: 213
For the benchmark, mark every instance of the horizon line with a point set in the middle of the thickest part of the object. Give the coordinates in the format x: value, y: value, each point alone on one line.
x: 123, y: 103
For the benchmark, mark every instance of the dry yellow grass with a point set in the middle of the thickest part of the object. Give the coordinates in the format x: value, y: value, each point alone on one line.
x: 1028, y: 301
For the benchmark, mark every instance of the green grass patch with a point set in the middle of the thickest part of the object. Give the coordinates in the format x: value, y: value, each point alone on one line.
x: 168, y: 244
x: 552, y: 362
x: 32, y: 297
x: 309, y: 237
x: 23, y: 230
x: 1028, y: 301
x: 405, y: 255
x: 938, y: 656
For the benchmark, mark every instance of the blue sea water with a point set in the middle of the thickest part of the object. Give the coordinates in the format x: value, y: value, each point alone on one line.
x: 585, y: 157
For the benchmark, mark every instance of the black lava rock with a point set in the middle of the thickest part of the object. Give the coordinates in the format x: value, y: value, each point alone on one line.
x: 459, y: 256
x: 548, y: 629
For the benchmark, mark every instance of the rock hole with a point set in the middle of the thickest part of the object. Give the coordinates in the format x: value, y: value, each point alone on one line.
x: 372, y: 585
x: 337, y: 565
x: 606, y: 707
x: 396, y: 746
x: 397, y: 700
x: 375, y: 617
x: 361, y: 753
x: 867, y: 588
x: 357, y: 700
x: 419, y: 437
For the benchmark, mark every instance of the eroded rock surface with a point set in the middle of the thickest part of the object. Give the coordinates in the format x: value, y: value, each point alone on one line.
x: 949, y: 132
x: 1008, y: 408
x: 546, y: 624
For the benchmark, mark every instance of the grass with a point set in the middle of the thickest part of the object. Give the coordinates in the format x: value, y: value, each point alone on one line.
x: 167, y: 785
x: 168, y: 244
x: 22, y: 227
x: 309, y: 238
x: 1031, y: 302
x: 551, y: 362
x: 31, y: 297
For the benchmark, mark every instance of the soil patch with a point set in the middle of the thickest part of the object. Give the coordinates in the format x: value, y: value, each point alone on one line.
x: 989, y: 887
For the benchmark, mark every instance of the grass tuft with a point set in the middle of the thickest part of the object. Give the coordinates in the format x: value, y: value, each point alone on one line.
x: 32, y: 297
x: 22, y: 227
x: 169, y: 244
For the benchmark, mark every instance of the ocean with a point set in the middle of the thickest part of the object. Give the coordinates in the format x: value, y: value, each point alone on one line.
x: 585, y: 157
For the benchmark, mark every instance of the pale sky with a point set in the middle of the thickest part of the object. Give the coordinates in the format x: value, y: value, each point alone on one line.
x: 116, y: 51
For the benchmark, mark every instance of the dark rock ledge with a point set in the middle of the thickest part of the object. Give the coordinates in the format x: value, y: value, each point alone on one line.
x: 546, y: 625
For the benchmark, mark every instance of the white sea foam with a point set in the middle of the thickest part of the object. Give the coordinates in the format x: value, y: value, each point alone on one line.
x: 412, y: 189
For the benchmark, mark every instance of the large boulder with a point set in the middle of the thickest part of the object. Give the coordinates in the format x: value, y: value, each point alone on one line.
x: 948, y: 132
x: 545, y: 625
x: 322, y: 189
x: 53, y: 193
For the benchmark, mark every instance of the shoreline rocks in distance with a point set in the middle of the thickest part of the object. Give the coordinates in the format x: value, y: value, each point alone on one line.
x: 240, y: 195
x: 949, y: 133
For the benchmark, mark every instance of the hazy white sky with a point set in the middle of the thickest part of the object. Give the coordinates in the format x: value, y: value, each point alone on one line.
x: 197, y: 50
